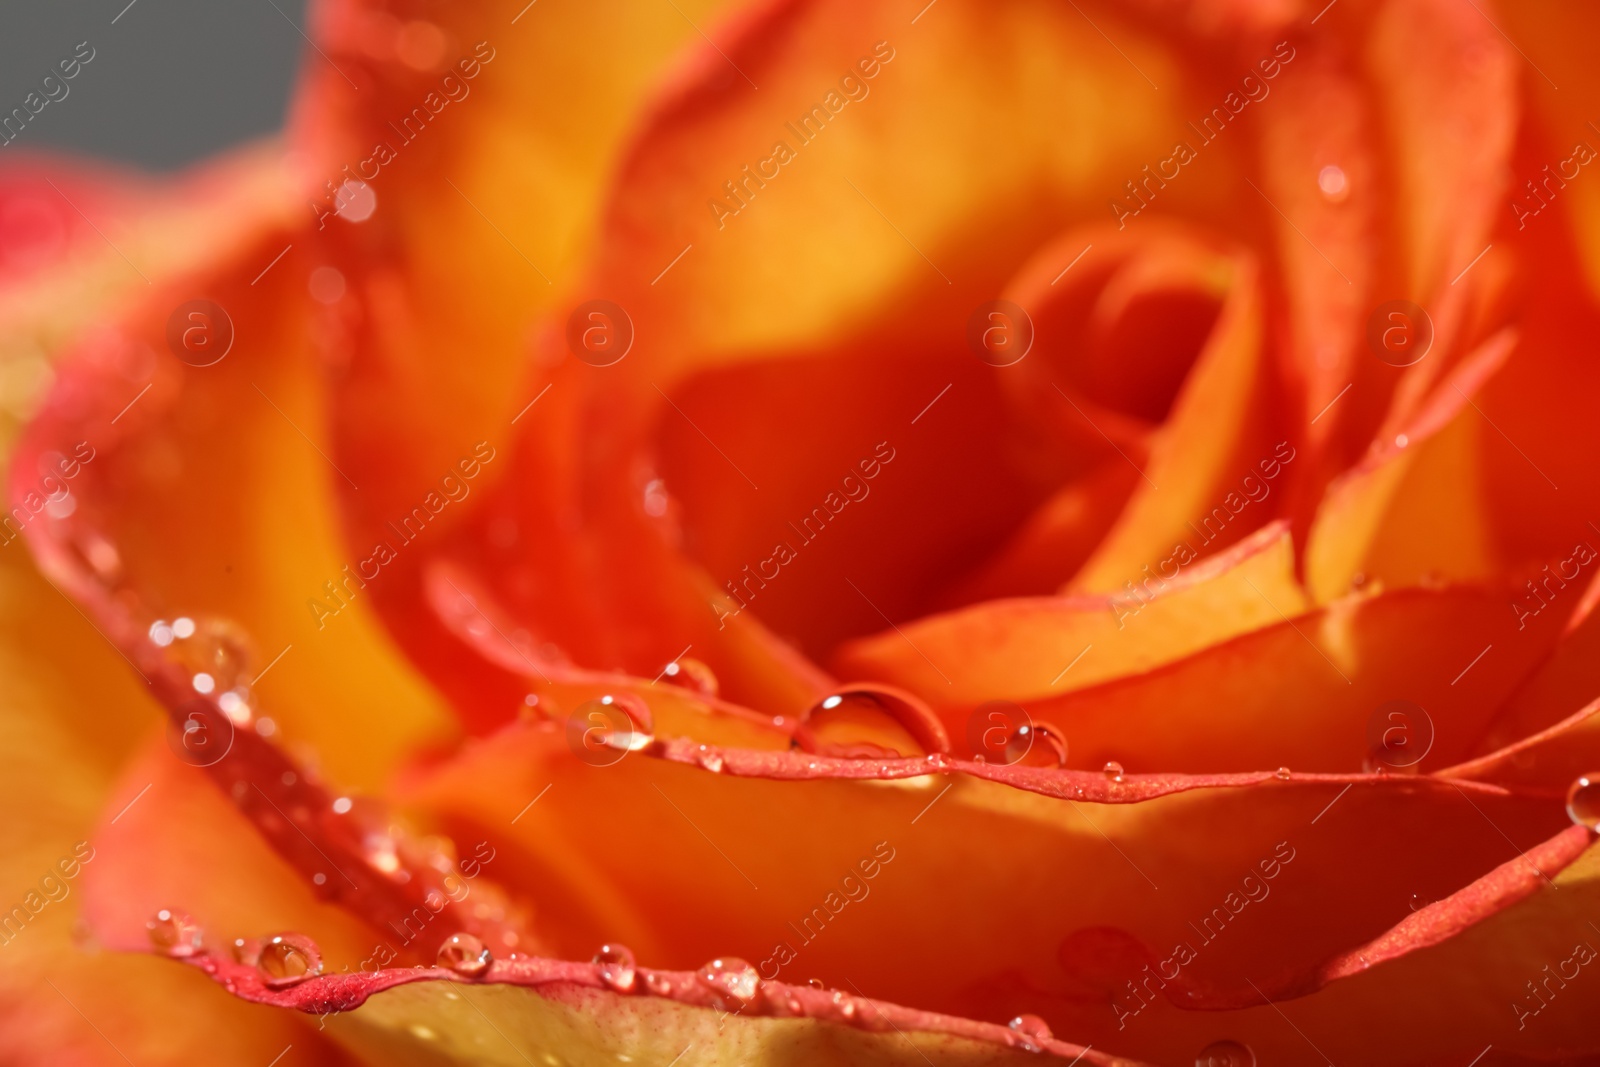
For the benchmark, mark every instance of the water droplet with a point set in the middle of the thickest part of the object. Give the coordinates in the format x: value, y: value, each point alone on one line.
x: 616, y: 968
x: 709, y: 758
x: 289, y: 959
x: 160, y: 634
x: 464, y: 954
x: 247, y: 950
x: 342, y: 805
x: 1583, y: 801
x: 1113, y: 770
x: 1401, y: 440
x: 355, y: 201
x: 1034, y: 1031
x: 691, y: 674
x: 732, y: 978
x: 204, y: 683
x: 1225, y: 1054
x: 815, y: 983
x: 1037, y: 744
x: 1283, y: 772
x: 319, y: 878
x: 1333, y: 183
x: 601, y: 732
x: 658, y: 984
x: 174, y: 933
x: 183, y: 627
x: 1418, y: 902
x: 848, y: 724
x: 655, y: 498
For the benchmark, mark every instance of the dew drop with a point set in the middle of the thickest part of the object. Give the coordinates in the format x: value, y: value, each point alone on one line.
x: 247, y: 950
x: 731, y: 977
x: 616, y: 968
x: 655, y: 498
x: 183, y: 627
x: 691, y: 674
x: 342, y: 805
x: 658, y: 984
x: 709, y: 758
x: 1113, y: 770
x: 464, y: 954
x: 1225, y: 1054
x: 174, y: 933
x: 160, y: 634
x: 815, y: 983
x: 1583, y: 801
x: 844, y: 724
x: 204, y: 683
x: 1333, y: 183
x: 1283, y: 772
x: 289, y: 959
x: 1034, y: 1030
x: 1036, y: 744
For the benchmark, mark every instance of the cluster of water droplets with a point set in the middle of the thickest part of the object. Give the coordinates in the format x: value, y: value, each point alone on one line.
x: 282, y: 960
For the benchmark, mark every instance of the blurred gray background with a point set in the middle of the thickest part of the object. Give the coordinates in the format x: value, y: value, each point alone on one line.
x: 171, y: 82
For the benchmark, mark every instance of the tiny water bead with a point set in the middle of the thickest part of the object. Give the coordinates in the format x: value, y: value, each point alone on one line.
x: 174, y: 933
x: 1283, y: 772
x: 603, y: 731
x: 1037, y: 745
x: 1583, y: 801
x: 616, y: 968
x: 732, y: 978
x: 865, y: 721
x: 289, y: 959
x: 1333, y: 183
x: 464, y: 954
x: 692, y: 675
x: 1034, y: 1029
x: 1225, y: 1053
x: 1113, y: 771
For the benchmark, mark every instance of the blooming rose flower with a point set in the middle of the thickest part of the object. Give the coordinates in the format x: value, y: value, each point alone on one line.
x: 816, y: 532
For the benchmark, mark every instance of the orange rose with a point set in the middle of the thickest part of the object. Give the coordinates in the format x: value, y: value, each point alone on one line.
x: 950, y: 530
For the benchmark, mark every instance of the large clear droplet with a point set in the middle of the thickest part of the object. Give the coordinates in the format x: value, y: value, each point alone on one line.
x: 616, y: 968
x: 174, y: 933
x: 1225, y: 1053
x: 870, y: 722
x: 464, y: 954
x: 1113, y: 770
x: 731, y: 978
x: 1032, y: 1031
x: 1583, y: 801
x: 1037, y: 744
x: 289, y: 959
